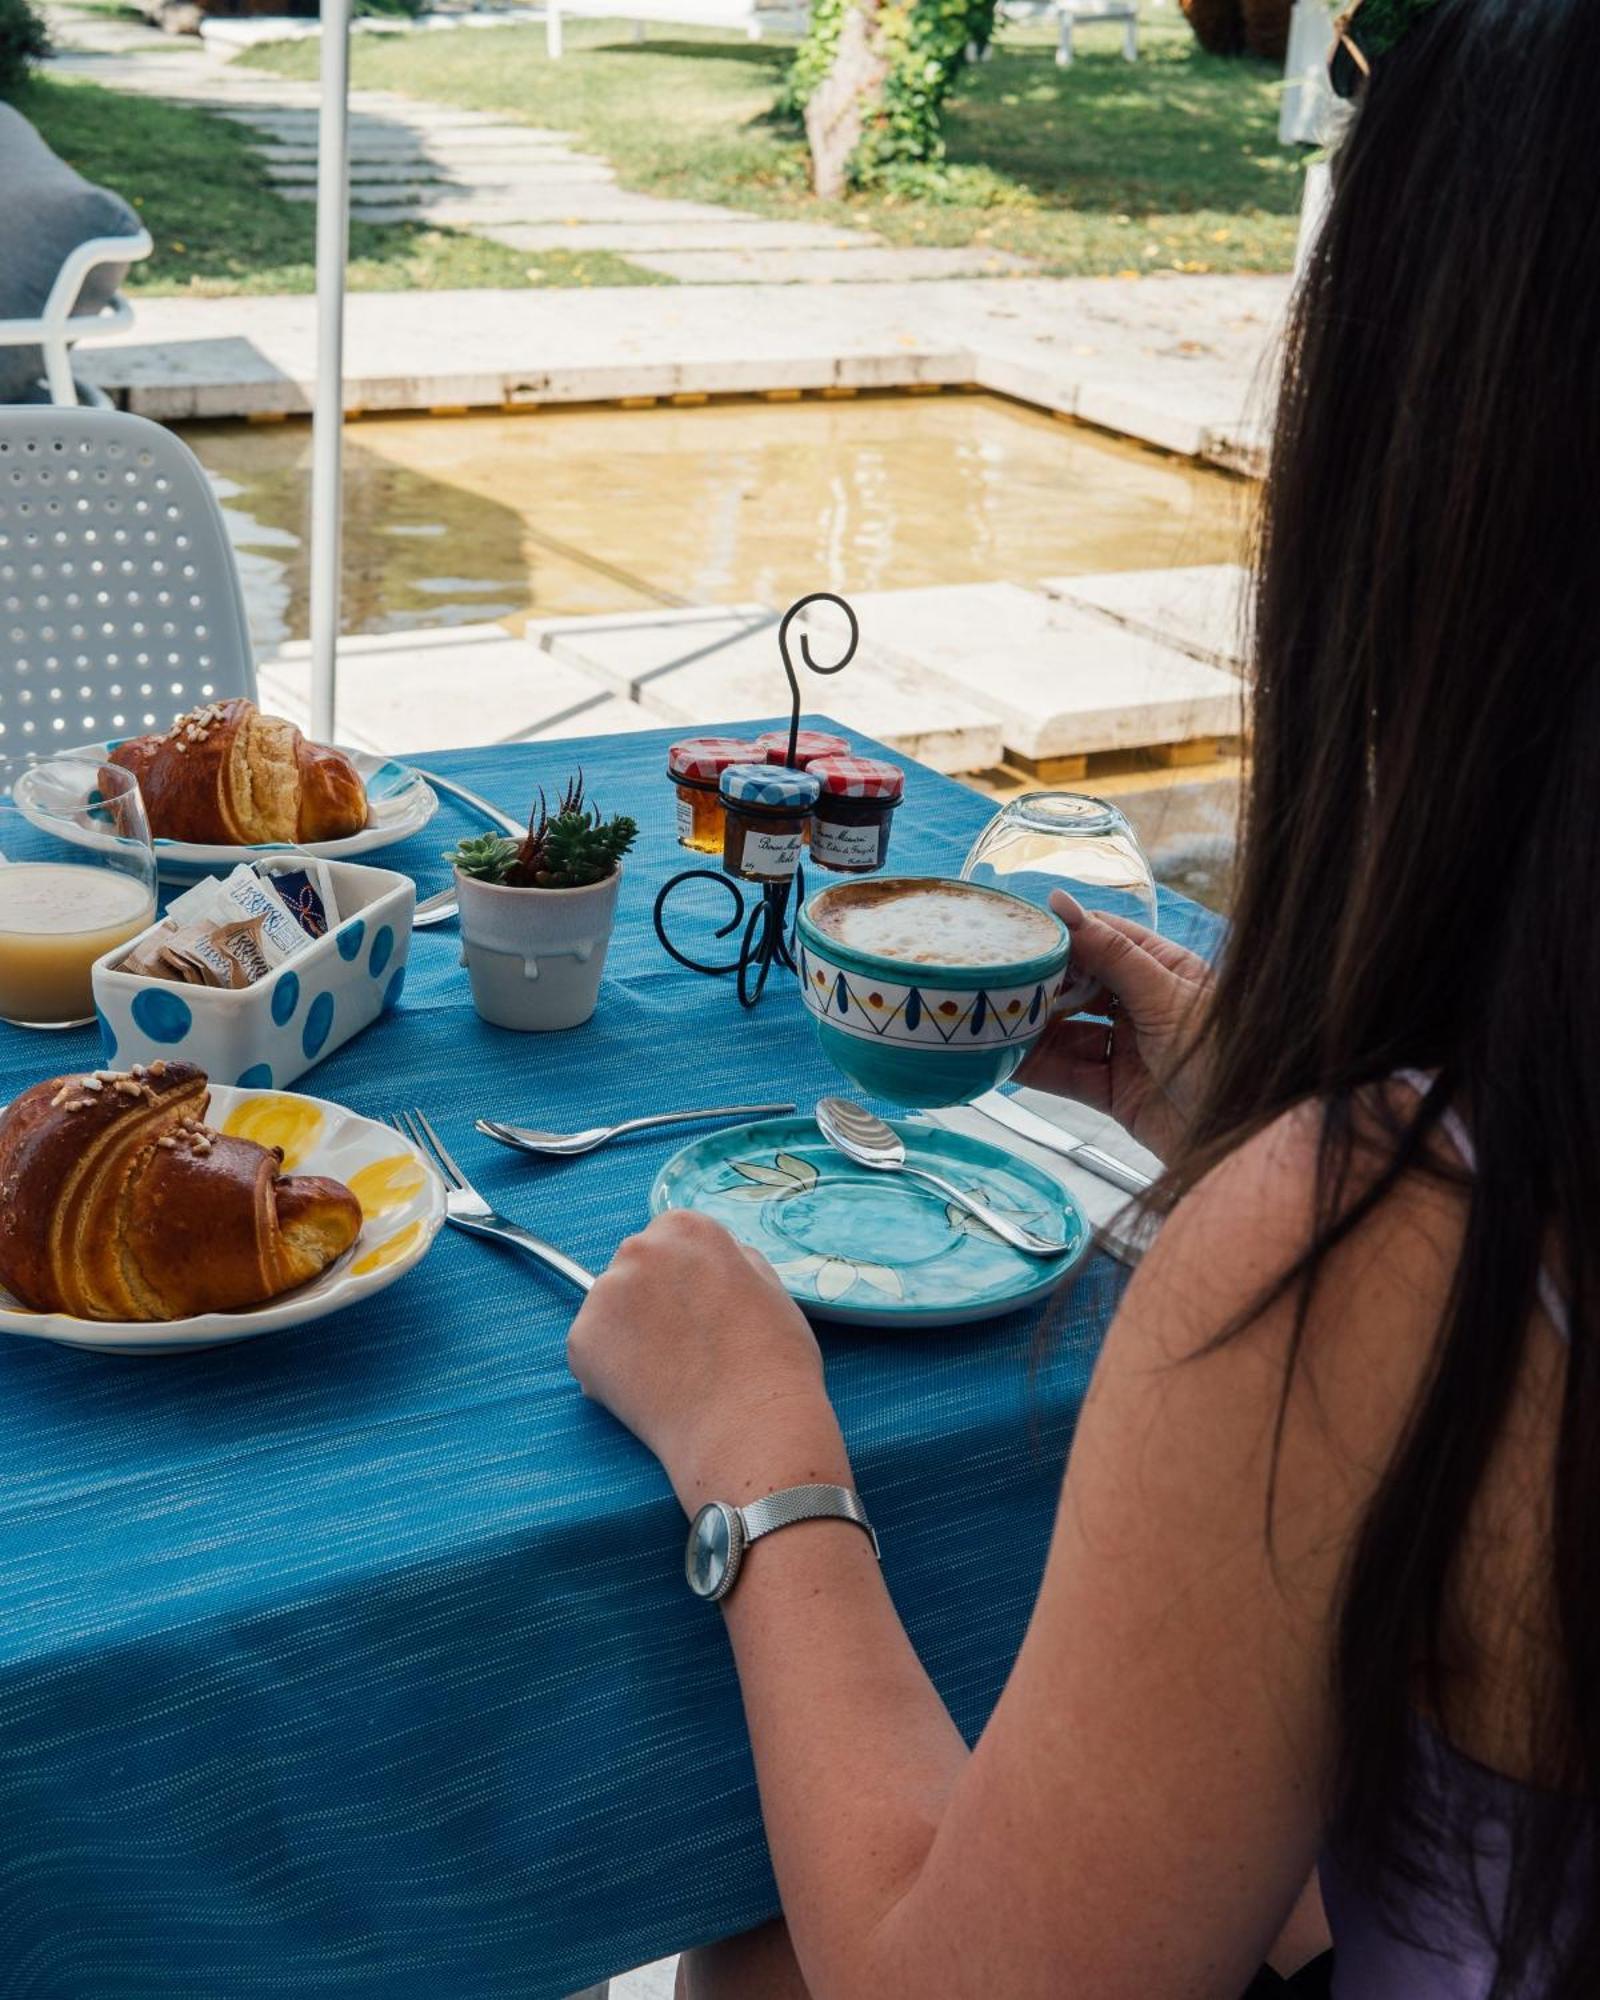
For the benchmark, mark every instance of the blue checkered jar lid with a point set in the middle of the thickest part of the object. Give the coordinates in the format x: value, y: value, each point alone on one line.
x: 772, y: 787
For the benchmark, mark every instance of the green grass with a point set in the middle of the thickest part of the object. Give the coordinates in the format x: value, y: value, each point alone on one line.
x: 1170, y: 163
x: 221, y: 229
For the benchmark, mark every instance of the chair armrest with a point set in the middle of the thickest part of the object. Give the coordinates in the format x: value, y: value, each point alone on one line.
x: 75, y: 269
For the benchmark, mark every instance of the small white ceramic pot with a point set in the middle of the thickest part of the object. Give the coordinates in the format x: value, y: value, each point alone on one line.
x: 535, y: 956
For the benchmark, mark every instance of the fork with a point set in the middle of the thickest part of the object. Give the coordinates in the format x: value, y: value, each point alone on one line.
x: 467, y: 1209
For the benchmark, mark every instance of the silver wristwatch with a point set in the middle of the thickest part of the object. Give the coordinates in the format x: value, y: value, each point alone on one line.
x: 720, y: 1533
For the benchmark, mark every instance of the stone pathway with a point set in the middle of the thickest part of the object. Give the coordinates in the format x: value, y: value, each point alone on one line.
x: 521, y: 185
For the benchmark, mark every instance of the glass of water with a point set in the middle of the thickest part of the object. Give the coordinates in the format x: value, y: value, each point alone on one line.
x: 1066, y: 840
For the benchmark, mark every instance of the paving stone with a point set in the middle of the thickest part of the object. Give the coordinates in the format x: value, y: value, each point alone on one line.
x: 864, y: 265
x: 492, y: 196
x: 443, y: 689
x: 723, y: 665
x: 1067, y: 682
x: 578, y: 201
x: 1201, y: 610
x: 734, y: 232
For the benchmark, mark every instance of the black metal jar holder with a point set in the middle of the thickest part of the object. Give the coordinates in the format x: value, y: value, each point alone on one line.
x: 764, y: 924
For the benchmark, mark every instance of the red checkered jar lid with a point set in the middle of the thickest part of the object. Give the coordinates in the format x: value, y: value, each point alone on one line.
x: 810, y: 744
x: 703, y: 759
x: 859, y: 777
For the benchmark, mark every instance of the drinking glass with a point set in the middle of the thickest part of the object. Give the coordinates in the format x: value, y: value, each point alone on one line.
x: 1066, y: 840
x: 77, y: 879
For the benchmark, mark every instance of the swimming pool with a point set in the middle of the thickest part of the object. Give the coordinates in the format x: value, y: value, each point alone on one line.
x: 457, y: 519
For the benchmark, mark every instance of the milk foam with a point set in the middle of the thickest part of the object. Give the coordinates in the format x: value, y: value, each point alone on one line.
x: 938, y: 923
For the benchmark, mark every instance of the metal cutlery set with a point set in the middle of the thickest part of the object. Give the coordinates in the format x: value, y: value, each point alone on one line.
x: 849, y: 1128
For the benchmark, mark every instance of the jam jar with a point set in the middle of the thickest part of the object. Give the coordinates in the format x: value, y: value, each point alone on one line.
x: 695, y: 765
x: 850, y: 821
x: 809, y: 745
x: 767, y: 809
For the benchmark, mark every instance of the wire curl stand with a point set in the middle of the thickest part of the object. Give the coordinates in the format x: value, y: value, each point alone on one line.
x: 764, y: 924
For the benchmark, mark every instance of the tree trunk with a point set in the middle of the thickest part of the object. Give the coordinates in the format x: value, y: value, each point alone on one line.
x: 1266, y: 28
x: 839, y: 108
x: 1218, y: 25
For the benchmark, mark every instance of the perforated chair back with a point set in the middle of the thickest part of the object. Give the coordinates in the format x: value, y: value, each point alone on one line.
x: 120, y: 604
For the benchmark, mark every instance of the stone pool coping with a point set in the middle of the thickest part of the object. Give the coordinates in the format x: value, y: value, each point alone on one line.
x: 1181, y: 363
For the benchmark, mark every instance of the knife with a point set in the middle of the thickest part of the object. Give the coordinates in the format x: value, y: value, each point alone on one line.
x: 1029, y: 1125
x: 441, y: 907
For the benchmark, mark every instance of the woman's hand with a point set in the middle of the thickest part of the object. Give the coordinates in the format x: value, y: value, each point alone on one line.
x: 1160, y: 990
x: 692, y: 1342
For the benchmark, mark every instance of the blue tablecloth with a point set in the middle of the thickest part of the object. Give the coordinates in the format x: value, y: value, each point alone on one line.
x: 358, y: 1660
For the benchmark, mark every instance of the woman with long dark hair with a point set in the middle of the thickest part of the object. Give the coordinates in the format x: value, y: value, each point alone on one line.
x: 1323, y: 1590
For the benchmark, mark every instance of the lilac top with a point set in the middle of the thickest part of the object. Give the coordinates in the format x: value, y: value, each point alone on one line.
x: 1459, y: 1922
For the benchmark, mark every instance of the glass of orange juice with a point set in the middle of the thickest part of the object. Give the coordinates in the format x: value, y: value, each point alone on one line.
x: 77, y: 878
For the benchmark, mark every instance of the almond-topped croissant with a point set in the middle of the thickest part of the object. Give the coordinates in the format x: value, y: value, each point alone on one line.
x: 119, y: 1202
x: 227, y: 773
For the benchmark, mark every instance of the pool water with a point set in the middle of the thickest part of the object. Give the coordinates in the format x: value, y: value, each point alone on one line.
x: 561, y: 513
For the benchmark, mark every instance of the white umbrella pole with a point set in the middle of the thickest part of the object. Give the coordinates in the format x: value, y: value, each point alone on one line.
x: 327, y: 420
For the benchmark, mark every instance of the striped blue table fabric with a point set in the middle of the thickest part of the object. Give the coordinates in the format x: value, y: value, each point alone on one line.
x: 357, y: 1660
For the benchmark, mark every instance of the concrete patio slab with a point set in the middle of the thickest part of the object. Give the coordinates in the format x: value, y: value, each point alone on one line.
x: 443, y: 689
x: 1201, y: 611
x: 723, y: 663
x: 1170, y: 361
x: 1066, y: 681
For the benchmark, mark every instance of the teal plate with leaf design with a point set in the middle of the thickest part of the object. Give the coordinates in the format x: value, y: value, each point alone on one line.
x: 877, y: 1249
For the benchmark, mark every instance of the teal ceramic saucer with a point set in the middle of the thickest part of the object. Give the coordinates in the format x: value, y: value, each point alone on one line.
x: 876, y: 1249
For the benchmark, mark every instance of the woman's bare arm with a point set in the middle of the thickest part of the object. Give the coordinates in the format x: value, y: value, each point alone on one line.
x: 1145, y: 1805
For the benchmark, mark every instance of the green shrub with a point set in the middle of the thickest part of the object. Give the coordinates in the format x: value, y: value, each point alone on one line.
x: 23, y: 41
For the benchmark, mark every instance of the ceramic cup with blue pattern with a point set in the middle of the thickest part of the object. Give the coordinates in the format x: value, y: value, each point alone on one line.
x: 921, y: 1031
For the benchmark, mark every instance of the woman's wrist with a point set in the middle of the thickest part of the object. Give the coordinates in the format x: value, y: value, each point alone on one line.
x: 787, y: 1437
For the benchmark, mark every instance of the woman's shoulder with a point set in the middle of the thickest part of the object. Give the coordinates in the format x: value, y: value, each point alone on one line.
x: 1302, y: 1241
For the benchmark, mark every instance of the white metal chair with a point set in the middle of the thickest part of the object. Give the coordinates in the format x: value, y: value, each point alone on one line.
x: 120, y: 602
x: 58, y: 328
x: 1069, y: 13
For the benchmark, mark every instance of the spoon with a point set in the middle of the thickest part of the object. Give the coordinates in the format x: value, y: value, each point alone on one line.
x: 568, y: 1145
x: 861, y: 1137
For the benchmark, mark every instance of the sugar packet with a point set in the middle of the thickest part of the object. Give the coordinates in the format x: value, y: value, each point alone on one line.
x: 306, y: 885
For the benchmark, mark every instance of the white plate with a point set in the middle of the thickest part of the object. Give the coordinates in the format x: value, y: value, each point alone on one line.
x: 400, y: 802
x: 402, y: 1203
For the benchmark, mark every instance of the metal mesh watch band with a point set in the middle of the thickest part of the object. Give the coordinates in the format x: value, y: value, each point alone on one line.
x: 805, y: 1503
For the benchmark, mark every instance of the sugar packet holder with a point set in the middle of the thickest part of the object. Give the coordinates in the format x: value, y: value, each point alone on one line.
x: 266, y: 1034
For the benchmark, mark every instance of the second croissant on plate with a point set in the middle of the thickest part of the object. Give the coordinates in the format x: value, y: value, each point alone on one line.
x: 226, y: 774
x: 119, y: 1202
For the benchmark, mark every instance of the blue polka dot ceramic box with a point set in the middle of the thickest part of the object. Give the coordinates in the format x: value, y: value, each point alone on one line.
x: 266, y: 1035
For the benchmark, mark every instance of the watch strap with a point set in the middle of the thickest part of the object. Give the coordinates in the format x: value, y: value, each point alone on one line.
x: 805, y: 1503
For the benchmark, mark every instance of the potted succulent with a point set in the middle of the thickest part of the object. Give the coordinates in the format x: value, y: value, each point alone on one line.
x: 536, y: 913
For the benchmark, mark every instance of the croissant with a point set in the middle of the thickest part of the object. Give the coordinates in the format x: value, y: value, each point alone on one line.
x: 227, y: 773
x: 119, y: 1202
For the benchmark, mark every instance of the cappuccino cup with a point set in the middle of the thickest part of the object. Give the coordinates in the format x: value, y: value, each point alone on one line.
x: 928, y: 991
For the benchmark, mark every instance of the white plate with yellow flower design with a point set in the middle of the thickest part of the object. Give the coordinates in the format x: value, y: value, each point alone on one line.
x: 877, y: 1249
x: 402, y: 1209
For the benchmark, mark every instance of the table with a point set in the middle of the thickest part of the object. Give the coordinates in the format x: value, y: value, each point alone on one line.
x: 357, y: 1660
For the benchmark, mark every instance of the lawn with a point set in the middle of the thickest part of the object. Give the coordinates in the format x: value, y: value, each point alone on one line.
x: 220, y: 228
x: 1170, y: 163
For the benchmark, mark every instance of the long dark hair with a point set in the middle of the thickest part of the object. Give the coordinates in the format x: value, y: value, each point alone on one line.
x: 1421, y: 872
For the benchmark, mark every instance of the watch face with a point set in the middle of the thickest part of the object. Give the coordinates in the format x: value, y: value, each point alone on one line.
x: 712, y: 1552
